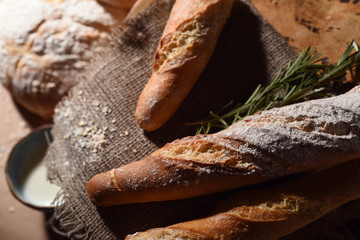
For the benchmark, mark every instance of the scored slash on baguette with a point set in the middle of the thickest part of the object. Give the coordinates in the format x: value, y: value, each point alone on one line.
x: 267, y: 145
x: 185, y: 47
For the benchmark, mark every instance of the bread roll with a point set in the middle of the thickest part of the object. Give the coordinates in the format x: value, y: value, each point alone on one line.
x: 185, y: 47
x: 272, y: 212
x: 45, y: 45
x: 267, y: 145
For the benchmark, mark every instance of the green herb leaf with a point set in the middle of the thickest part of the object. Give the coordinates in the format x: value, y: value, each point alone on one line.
x: 303, y: 79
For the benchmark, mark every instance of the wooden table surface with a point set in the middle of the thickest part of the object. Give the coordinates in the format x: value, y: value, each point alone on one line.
x: 17, y: 221
x: 328, y: 25
x: 302, y: 23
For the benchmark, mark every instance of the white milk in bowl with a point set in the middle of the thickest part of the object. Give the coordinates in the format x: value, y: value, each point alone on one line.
x: 37, y: 189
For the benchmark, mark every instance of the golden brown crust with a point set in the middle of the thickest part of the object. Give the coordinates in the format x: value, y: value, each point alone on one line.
x: 160, y: 179
x: 267, y: 145
x: 272, y: 212
x: 167, y: 234
x: 187, y: 43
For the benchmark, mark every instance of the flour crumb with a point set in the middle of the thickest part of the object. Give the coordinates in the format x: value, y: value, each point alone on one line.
x: 82, y: 123
x: 95, y: 103
x: 22, y: 125
x: 2, y: 149
x: 11, y: 209
x: 67, y: 136
x: 105, y: 110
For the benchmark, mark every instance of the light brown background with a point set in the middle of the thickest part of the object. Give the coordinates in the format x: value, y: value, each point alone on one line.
x: 17, y: 221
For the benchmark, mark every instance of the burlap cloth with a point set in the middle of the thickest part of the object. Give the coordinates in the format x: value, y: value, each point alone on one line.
x: 95, y: 131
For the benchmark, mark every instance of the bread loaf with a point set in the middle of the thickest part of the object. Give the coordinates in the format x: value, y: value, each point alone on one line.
x: 185, y: 47
x: 267, y: 145
x: 271, y: 212
x: 46, y: 45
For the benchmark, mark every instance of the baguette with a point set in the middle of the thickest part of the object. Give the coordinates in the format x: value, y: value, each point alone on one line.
x: 273, y: 212
x: 185, y: 47
x: 138, y: 7
x: 267, y: 145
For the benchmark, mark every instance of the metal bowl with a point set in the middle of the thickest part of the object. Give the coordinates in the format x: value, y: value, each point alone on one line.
x: 26, y: 173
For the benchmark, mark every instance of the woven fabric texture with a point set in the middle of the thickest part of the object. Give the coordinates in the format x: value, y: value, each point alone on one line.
x: 95, y: 130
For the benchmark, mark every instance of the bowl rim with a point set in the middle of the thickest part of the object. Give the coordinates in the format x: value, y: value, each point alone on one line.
x: 8, y: 180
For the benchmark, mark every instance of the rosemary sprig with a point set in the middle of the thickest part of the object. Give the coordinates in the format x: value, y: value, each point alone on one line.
x: 302, y: 79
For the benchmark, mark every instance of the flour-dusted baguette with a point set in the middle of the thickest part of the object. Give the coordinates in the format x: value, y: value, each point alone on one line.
x: 185, y: 47
x: 272, y: 212
x: 267, y: 145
